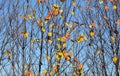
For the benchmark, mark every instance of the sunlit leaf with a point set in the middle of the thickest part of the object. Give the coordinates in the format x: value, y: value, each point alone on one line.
x: 25, y: 35
x: 52, y: 25
x: 92, y: 33
x: 44, y: 72
x: 80, y: 66
x: 55, y: 7
x: 40, y: 23
x: 64, y: 45
x: 67, y: 35
x: 55, y: 68
x: 98, y: 51
x: 7, y: 52
x: 43, y: 29
x: 31, y: 41
x: 75, y: 74
x: 60, y: 11
x: 50, y: 41
x: 48, y: 17
x: 49, y: 33
x: 51, y: 73
x: 72, y: 12
x: 74, y: 3
x: 38, y: 40
x: 38, y: 1
x: 47, y: 57
x: 29, y: 72
x: 63, y: 39
x: 112, y: 38
x: 10, y: 57
x: 115, y: 59
x: 57, y: 57
x: 106, y: 7
x: 58, y: 45
x: 114, y: 7
x: 55, y: 13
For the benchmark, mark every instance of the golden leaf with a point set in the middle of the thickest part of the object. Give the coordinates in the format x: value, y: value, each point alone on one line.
x: 25, y: 35
x: 7, y: 52
x: 115, y: 59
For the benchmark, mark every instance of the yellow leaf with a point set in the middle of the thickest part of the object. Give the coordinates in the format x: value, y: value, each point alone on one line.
x: 49, y: 33
x: 44, y: 72
x: 98, y: 51
x: 60, y: 54
x: 38, y: 40
x: 114, y: 7
x: 55, y: 7
x: 52, y: 25
x: 85, y: 38
x: 63, y: 39
x: 74, y: 3
x: 29, y: 16
x: 80, y: 39
x: 60, y: 11
x: 75, y: 74
x: 25, y: 35
x: 48, y: 57
x: 7, y: 52
x: 64, y: 45
x: 51, y: 73
x: 92, y: 33
x: 58, y: 39
x: 10, y: 57
x: 43, y: 29
x: 50, y: 41
x: 72, y: 12
x: 59, y: 46
x: 115, y: 59
x: 57, y: 57
x: 106, y: 18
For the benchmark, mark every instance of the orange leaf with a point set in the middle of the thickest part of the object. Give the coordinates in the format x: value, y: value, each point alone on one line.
x: 48, y: 17
x: 106, y: 8
x: 55, y: 13
x: 80, y: 66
